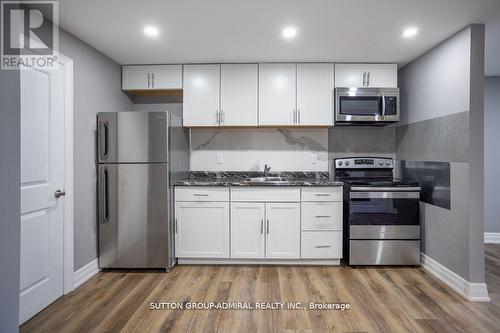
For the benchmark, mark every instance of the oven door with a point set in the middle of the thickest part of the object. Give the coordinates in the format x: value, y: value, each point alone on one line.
x: 384, y: 208
x: 366, y: 105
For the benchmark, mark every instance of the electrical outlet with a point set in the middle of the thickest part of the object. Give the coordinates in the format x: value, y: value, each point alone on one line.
x: 314, y: 159
x: 220, y: 159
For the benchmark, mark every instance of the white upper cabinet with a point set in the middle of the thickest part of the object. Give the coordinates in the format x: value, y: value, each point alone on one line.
x: 201, y: 95
x: 277, y: 95
x: 315, y: 94
x: 161, y: 77
x: 239, y: 95
x: 366, y: 75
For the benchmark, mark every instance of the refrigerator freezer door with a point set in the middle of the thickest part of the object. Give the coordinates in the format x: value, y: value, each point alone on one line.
x: 132, y: 137
x: 133, y: 216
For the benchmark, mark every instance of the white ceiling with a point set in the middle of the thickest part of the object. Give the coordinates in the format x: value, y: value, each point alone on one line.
x: 250, y: 31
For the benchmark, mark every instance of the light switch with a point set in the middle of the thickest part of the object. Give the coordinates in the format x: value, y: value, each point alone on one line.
x: 314, y: 159
x: 220, y: 159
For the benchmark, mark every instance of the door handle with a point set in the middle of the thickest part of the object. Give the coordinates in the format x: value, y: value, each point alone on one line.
x: 298, y: 116
x: 176, y: 226
x: 383, y: 106
x: 149, y: 80
x: 105, y: 196
x: 364, y: 79
x: 59, y: 194
x: 261, y: 226
x: 152, y: 80
x: 103, y: 134
x: 268, y: 226
x: 368, y: 80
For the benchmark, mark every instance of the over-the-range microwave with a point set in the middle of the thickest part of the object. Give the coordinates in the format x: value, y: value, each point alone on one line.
x: 366, y: 106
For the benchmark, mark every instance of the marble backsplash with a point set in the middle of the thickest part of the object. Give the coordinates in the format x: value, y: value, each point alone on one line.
x: 249, y: 149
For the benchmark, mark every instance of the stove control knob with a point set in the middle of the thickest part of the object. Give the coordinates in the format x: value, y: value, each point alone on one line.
x: 381, y: 163
x: 387, y: 163
x: 340, y: 163
x: 346, y: 163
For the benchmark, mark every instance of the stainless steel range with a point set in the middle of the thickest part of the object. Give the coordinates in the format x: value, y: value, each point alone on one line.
x: 381, y: 214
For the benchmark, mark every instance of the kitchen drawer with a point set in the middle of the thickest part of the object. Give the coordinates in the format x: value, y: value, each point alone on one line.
x: 321, y: 215
x: 201, y: 193
x: 322, y: 193
x: 266, y: 194
x: 321, y: 244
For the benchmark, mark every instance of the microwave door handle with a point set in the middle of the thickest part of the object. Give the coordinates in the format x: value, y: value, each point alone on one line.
x: 383, y: 105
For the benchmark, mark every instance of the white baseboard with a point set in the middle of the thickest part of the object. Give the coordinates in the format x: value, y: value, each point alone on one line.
x: 492, y: 237
x: 473, y: 292
x: 210, y: 261
x: 85, y: 273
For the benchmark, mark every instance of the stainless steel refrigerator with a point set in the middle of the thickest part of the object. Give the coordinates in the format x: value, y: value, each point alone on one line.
x: 139, y: 155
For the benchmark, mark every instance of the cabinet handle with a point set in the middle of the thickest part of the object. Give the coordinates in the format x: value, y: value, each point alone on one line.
x: 149, y: 80
x: 216, y: 117
x: 222, y: 118
x: 322, y: 246
x: 268, y: 226
x: 200, y: 195
x: 152, y: 80
x: 261, y: 226
x: 298, y: 116
x: 176, y: 226
x: 322, y: 216
x: 364, y: 79
x: 293, y: 113
x: 322, y: 194
x: 368, y: 80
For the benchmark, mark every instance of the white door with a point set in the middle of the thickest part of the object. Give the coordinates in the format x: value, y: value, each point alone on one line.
x: 277, y: 94
x: 167, y: 77
x: 315, y: 94
x: 283, y: 230
x: 350, y: 75
x: 42, y: 174
x: 247, y: 230
x: 136, y: 77
x: 382, y: 75
x: 202, y: 229
x: 201, y: 95
x: 239, y: 94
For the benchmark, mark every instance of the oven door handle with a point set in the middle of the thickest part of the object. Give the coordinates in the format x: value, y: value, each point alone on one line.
x: 385, y: 195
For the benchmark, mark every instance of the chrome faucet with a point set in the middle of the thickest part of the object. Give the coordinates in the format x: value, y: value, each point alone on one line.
x: 266, y: 170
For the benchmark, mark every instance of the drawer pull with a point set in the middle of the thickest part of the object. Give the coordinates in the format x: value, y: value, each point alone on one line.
x: 200, y: 195
x: 322, y: 246
x: 322, y: 216
x: 322, y: 194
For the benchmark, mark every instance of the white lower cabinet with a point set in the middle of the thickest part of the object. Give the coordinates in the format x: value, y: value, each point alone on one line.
x: 283, y: 230
x: 248, y: 230
x: 321, y: 244
x: 202, y: 229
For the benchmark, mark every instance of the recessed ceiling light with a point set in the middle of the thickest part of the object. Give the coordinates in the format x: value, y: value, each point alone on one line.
x: 151, y: 31
x: 410, y: 32
x: 289, y: 32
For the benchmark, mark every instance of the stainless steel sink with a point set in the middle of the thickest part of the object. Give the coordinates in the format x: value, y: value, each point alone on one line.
x: 268, y: 180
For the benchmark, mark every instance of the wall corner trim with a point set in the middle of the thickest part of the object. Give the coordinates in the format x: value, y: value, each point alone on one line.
x: 492, y: 238
x: 473, y: 292
x: 85, y: 273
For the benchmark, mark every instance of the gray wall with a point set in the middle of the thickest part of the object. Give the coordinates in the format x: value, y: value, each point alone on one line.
x: 492, y: 154
x: 97, y: 88
x: 441, y: 117
x: 10, y: 128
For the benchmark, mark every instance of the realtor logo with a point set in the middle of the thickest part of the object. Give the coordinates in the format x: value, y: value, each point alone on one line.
x: 28, y: 37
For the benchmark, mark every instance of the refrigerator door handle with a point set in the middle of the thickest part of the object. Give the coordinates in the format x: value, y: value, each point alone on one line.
x: 104, y: 195
x: 103, y: 134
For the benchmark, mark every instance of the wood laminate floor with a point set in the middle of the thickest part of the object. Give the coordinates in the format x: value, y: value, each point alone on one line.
x: 381, y: 299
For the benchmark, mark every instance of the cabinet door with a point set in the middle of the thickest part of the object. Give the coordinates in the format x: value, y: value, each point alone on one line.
x: 136, y: 77
x: 283, y: 230
x: 201, y: 95
x: 349, y: 75
x: 167, y: 77
x: 239, y: 94
x: 315, y: 94
x: 382, y: 75
x: 277, y: 94
x: 202, y: 229
x: 247, y: 230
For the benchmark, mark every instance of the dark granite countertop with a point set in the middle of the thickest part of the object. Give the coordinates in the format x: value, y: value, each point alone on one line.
x: 242, y: 179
